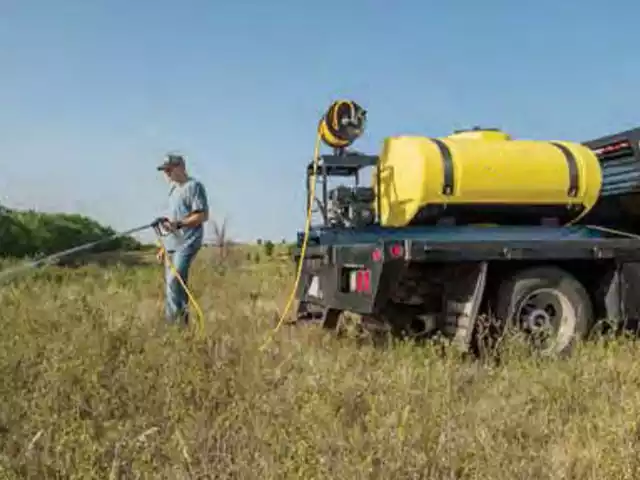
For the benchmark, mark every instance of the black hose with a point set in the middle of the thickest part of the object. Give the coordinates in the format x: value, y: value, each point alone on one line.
x: 49, y: 259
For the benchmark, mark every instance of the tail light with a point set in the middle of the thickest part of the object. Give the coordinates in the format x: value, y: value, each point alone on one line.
x: 360, y: 281
x: 396, y: 250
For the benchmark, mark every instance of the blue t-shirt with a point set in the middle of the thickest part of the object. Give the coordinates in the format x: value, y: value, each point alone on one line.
x: 185, y: 199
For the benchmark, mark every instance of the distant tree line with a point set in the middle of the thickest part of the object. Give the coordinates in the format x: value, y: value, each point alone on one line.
x: 27, y: 233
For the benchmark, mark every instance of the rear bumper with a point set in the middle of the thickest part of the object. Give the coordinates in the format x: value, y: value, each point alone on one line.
x: 326, y: 272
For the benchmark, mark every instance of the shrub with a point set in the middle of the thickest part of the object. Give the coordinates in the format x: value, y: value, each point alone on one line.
x: 268, y: 248
x: 29, y: 233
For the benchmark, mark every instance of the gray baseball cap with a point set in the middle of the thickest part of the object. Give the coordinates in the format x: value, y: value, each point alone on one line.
x: 172, y: 160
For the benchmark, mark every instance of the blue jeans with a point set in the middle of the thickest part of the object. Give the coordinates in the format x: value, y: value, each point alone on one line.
x: 176, y: 299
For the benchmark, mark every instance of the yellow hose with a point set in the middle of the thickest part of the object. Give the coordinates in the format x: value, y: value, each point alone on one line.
x: 331, y: 132
x: 337, y: 134
x: 190, y: 296
x: 303, y: 248
x: 200, y: 315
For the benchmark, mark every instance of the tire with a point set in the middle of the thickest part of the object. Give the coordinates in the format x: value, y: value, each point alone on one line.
x: 550, y: 295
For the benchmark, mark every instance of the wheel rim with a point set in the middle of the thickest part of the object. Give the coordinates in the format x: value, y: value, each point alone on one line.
x: 547, y: 317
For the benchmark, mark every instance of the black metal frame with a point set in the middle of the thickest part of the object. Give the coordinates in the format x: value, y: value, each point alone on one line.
x: 631, y: 135
x: 622, y: 249
x: 328, y: 261
x: 339, y: 164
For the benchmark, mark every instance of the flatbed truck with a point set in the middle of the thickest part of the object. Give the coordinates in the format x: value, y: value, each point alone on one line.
x: 448, y: 279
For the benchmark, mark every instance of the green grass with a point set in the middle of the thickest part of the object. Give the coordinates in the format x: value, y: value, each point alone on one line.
x: 94, y: 386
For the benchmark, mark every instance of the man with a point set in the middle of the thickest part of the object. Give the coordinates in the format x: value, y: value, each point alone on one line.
x: 188, y: 210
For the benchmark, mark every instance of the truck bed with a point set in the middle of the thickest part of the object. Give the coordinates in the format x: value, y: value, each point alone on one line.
x: 477, y: 243
x: 372, y: 234
x: 334, y: 259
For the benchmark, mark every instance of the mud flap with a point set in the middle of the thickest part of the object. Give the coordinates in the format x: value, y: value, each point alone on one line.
x: 463, y: 296
x: 330, y: 318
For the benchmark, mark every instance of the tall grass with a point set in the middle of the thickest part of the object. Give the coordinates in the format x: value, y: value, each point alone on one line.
x: 95, y: 386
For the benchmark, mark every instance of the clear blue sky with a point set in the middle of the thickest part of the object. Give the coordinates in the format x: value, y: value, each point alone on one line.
x: 92, y: 93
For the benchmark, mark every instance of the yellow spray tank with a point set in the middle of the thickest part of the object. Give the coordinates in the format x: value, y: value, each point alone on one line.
x: 478, y: 133
x: 483, y: 176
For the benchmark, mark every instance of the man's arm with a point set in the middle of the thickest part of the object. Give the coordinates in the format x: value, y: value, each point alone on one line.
x: 194, y: 219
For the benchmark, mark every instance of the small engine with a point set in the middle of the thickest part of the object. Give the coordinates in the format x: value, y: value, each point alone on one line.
x: 351, y: 206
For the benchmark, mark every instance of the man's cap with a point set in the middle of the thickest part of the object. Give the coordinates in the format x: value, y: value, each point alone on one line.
x: 172, y: 160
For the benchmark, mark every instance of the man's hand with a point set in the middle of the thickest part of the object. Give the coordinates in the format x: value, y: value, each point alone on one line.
x: 192, y: 220
x: 171, y: 226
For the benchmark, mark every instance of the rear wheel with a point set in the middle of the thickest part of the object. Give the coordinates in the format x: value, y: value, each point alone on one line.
x: 549, y: 306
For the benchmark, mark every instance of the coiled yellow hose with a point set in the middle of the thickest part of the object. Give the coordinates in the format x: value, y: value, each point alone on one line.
x: 340, y: 126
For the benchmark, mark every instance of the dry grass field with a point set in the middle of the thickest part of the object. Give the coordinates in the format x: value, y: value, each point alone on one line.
x: 95, y: 386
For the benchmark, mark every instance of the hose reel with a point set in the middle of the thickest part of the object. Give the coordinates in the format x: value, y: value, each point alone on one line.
x: 342, y: 124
